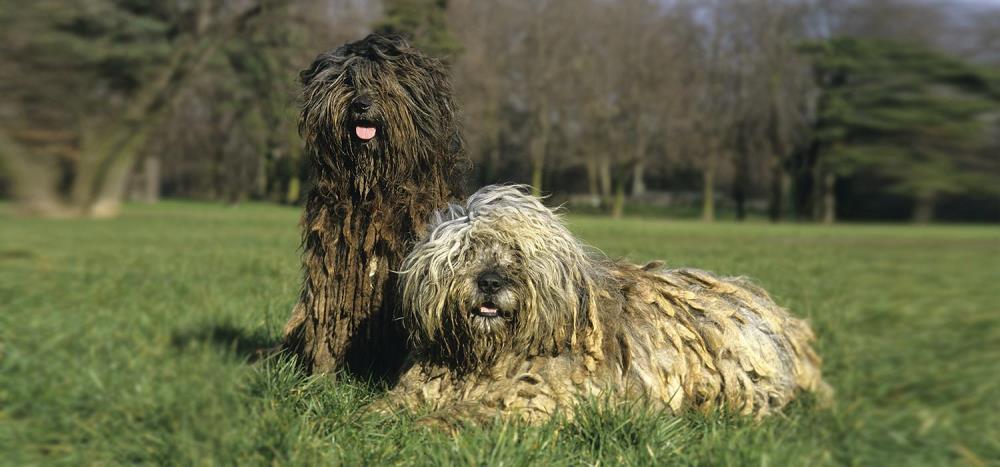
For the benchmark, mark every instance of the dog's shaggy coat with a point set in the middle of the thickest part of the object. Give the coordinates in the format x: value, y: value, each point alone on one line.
x: 380, y: 130
x: 510, y: 315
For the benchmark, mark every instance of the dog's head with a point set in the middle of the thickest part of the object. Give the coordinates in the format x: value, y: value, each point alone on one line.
x: 378, y: 105
x: 498, y: 275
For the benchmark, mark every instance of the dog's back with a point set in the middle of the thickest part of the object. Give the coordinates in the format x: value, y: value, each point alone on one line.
x: 716, y: 342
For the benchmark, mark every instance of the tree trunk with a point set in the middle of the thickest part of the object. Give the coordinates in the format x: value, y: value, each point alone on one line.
x: 538, y: 162
x: 638, y: 181
x: 829, y: 198
x: 604, y: 172
x: 618, y: 204
x: 492, y: 171
x: 592, y: 189
x: 294, y: 188
x: 108, y: 199
x: 32, y: 182
x: 740, y: 200
x: 741, y: 182
x: 85, y: 171
x: 99, y: 179
x: 708, y: 194
x: 537, y: 167
x: 112, y: 179
x: 293, y: 193
x: 100, y: 154
x: 816, y: 192
x: 786, y: 203
x: 539, y: 146
x: 923, y: 209
x: 780, y: 182
x: 260, y: 178
x: 151, y: 179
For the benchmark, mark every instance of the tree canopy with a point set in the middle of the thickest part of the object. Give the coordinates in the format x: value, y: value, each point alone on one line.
x: 804, y: 108
x: 917, y: 117
x: 424, y: 22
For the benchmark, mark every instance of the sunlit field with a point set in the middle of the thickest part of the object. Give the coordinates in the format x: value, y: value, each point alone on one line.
x: 134, y: 340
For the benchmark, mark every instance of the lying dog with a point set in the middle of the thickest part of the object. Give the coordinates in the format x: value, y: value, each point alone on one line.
x: 511, y: 316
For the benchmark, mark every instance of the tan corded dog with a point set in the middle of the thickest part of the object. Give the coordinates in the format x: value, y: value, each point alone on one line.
x: 510, y: 315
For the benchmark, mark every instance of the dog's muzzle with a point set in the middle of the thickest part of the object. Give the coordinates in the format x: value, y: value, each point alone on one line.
x: 489, y: 284
x: 364, y: 129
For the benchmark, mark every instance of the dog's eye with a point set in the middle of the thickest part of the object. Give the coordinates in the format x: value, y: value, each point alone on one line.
x: 516, y: 258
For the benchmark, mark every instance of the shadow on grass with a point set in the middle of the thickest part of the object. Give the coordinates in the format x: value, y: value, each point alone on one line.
x: 16, y: 253
x: 247, y: 345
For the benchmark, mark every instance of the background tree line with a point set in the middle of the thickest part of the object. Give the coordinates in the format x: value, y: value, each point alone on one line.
x: 811, y: 110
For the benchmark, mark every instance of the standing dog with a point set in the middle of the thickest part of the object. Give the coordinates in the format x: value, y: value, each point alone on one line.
x: 380, y: 130
x: 511, y: 316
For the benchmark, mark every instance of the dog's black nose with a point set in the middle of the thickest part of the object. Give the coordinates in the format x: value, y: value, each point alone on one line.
x: 362, y: 103
x: 489, y: 282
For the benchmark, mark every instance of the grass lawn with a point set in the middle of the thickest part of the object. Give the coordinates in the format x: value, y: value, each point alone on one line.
x: 128, y: 340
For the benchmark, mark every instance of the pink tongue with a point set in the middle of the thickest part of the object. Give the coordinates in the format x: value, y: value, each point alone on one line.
x: 365, y: 132
x: 487, y: 310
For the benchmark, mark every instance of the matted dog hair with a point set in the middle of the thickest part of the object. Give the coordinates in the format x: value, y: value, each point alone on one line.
x: 509, y: 313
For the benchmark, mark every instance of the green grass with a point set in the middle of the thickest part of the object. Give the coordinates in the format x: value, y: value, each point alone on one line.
x: 128, y: 340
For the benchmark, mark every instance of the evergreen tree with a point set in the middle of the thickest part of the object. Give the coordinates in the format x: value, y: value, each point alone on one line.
x: 89, y: 82
x: 84, y: 83
x: 907, y: 113
x: 423, y: 22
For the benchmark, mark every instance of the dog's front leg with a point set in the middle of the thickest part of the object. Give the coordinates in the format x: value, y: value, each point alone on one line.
x: 453, y: 417
x: 449, y: 418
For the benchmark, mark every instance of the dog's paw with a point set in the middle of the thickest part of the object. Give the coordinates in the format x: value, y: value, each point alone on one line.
x: 383, y: 407
x: 439, y: 423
